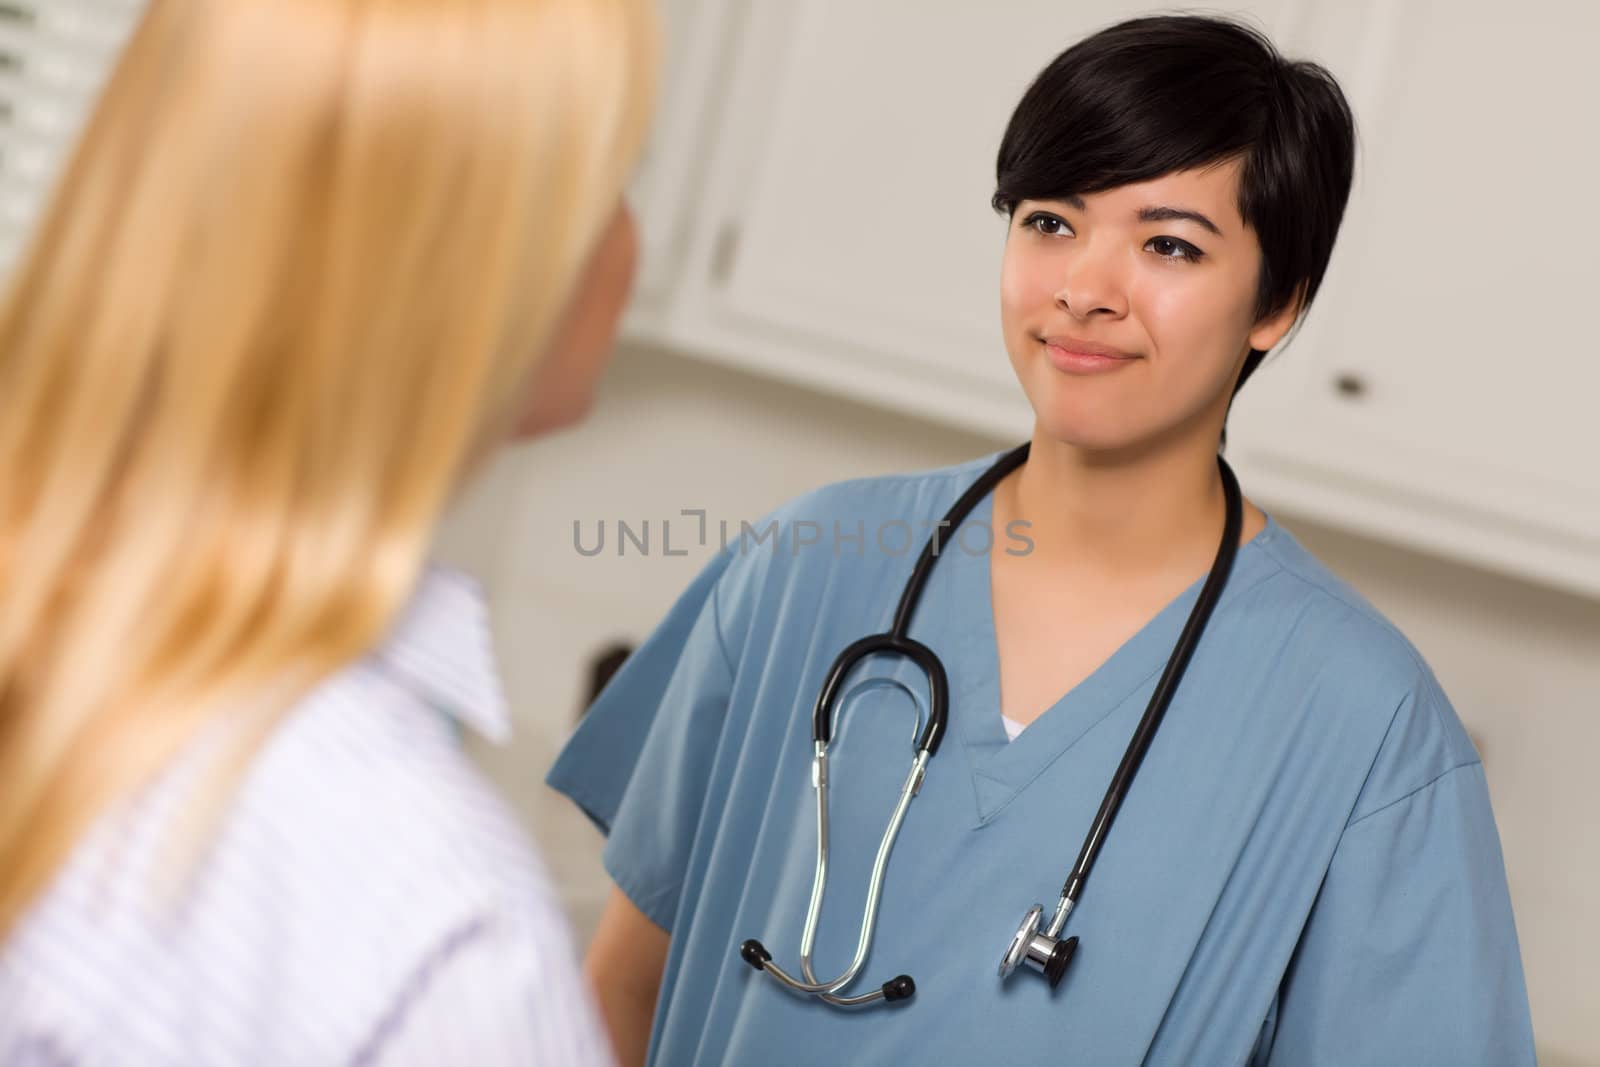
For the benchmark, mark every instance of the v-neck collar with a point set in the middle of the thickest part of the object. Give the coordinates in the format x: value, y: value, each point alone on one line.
x: 1002, y: 768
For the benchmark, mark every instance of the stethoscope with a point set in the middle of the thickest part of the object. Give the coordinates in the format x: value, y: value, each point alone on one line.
x: 1041, y: 949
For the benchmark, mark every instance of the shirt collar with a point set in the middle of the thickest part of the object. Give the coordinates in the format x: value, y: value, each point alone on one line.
x: 440, y: 647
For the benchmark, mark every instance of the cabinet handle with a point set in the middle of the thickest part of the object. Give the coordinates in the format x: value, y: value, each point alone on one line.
x: 723, y: 255
x: 1350, y: 385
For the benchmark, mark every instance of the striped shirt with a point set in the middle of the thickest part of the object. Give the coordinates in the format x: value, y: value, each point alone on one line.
x: 367, y: 899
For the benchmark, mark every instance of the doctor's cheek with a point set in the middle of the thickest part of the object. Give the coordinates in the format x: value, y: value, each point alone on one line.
x: 1023, y: 301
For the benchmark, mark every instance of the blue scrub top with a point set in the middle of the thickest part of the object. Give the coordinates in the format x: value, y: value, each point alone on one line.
x: 1306, y: 869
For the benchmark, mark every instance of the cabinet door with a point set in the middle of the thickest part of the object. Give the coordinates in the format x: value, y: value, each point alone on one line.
x: 847, y: 240
x: 694, y: 36
x: 1443, y: 390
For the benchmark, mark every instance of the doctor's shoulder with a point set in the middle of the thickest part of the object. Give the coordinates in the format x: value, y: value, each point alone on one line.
x: 1368, y: 676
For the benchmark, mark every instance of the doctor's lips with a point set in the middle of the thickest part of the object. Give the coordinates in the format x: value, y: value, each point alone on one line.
x: 1068, y: 343
x: 1074, y: 355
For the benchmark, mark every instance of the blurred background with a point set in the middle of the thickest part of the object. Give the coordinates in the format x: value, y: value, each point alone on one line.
x: 818, y: 301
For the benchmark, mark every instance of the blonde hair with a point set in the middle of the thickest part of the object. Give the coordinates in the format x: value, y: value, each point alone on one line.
x: 298, y: 266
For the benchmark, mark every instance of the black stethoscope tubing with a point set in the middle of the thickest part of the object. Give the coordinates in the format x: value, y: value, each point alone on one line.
x: 1040, y: 949
x: 895, y: 641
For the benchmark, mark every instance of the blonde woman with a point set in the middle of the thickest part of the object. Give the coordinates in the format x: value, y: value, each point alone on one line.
x: 311, y: 262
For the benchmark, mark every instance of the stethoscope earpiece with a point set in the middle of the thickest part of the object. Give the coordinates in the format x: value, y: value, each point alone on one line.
x: 901, y: 988
x: 755, y: 954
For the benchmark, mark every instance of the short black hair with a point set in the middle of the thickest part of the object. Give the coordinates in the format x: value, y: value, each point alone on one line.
x: 1165, y: 93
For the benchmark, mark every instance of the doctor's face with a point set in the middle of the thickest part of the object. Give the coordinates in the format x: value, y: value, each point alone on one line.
x: 1161, y: 272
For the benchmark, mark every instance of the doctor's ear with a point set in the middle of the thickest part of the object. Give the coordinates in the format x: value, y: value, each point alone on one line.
x: 1271, y: 329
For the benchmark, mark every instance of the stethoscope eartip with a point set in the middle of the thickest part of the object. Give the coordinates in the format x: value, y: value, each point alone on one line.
x: 755, y: 954
x: 901, y: 988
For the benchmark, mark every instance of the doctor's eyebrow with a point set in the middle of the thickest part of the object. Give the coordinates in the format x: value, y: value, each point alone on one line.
x: 1159, y: 213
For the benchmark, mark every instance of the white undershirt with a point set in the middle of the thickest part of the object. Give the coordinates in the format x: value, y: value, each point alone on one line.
x: 1013, y: 727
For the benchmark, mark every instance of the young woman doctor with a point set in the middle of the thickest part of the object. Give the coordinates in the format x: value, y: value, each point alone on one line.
x: 1304, y: 869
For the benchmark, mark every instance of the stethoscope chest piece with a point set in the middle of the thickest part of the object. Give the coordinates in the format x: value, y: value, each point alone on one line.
x: 1033, y: 946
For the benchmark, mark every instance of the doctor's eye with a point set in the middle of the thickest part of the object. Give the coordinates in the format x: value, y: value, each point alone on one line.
x: 1186, y: 250
x: 1046, y: 224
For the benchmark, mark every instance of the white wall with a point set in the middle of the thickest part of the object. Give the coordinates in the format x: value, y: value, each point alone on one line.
x: 1518, y: 661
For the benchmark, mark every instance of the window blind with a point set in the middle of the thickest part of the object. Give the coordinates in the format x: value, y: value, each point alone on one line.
x: 54, y: 56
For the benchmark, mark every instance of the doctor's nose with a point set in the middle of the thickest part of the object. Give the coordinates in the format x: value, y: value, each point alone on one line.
x: 1090, y: 287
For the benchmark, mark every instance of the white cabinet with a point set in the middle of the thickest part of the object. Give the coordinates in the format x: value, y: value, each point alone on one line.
x: 695, y: 36
x: 1441, y: 393
x: 1444, y: 389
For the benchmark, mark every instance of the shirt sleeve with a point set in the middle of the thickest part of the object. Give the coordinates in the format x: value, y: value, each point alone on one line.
x: 496, y: 991
x: 1410, y: 953
x: 638, y: 762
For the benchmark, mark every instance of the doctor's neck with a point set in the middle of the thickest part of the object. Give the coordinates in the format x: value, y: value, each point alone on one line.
x: 1132, y: 513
